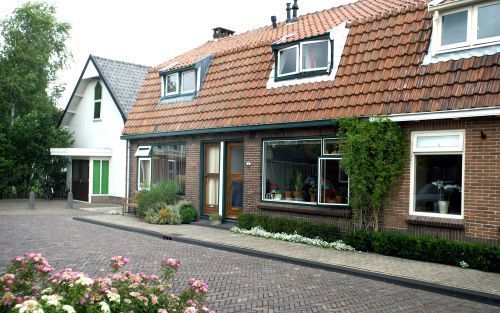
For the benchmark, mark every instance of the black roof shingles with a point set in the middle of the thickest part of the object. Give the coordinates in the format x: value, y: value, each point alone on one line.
x: 123, y: 79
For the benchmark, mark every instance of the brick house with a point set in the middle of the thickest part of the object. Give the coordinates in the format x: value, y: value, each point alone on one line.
x: 244, y: 122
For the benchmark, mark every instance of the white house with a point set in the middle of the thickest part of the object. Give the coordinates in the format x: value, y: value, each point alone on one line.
x: 96, y: 114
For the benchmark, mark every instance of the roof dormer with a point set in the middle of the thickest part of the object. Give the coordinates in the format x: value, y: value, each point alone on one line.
x: 183, y: 83
x: 464, y: 25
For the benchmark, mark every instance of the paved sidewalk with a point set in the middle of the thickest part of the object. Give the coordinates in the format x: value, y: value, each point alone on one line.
x: 42, y: 206
x: 425, y: 274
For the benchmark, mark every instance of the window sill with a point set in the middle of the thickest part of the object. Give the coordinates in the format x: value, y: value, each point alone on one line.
x: 97, y: 120
x: 304, y: 209
x: 433, y: 221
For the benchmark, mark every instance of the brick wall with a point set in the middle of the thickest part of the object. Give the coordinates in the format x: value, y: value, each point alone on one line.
x: 481, y: 185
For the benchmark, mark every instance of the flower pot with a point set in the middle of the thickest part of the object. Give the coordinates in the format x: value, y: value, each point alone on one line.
x: 443, y: 206
x: 313, y: 197
x: 215, y: 222
x: 288, y: 195
x: 277, y: 196
x: 297, y: 195
x: 339, y: 199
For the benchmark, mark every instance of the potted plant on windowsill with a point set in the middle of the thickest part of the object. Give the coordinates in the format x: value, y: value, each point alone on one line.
x: 312, y: 193
x: 215, y: 219
x: 299, y: 184
x: 340, y: 195
x: 444, y: 194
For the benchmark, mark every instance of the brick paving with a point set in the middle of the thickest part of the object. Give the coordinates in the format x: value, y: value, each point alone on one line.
x: 445, y: 275
x: 238, y: 283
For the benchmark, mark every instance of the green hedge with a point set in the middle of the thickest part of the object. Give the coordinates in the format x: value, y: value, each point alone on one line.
x: 429, y: 249
x: 276, y: 224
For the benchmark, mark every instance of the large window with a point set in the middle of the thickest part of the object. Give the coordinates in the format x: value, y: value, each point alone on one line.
x: 160, y: 163
x: 298, y: 171
x: 169, y: 163
x: 437, y: 173
x: 305, y: 58
x: 468, y: 26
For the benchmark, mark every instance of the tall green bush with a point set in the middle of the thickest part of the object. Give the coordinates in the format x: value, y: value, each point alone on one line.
x: 373, y: 155
x: 164, y: 192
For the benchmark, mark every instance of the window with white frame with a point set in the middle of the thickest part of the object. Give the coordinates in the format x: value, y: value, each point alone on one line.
x: 308, y: 58
x: 467, y: 27
x: 304, y: 171
x: 160, y: 163
x: 144, y: 176
x: 179, y: 83
x: 437, y: 173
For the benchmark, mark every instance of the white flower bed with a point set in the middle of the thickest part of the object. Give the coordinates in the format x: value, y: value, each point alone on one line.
x: 260, y: 232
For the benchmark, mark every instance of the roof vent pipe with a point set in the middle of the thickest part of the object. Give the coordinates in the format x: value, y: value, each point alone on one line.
x: 295, y: 8
x: 288, y: 9
x: 273, y: 20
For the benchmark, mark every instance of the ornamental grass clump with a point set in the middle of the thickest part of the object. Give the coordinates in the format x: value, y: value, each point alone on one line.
x: 31, y: 285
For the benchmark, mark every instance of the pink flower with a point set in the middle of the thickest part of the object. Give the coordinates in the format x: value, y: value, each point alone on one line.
x: 154, y: 299
x: 173, y: 263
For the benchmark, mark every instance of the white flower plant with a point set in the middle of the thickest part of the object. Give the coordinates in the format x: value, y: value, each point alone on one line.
x: 258, y: 231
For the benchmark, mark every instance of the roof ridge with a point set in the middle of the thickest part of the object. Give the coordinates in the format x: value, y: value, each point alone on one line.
x: 119, y: 61
x: 410, y: 7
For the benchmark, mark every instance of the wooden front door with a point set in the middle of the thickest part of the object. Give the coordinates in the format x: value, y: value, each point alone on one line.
x: 211, y: 178
x: 80, y: 180
x: 234, y: 179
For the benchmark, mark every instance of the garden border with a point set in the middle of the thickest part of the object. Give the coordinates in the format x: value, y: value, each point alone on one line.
x: 461, y: 293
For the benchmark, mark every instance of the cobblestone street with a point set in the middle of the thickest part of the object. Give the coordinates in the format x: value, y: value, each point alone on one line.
x: 237, y: 283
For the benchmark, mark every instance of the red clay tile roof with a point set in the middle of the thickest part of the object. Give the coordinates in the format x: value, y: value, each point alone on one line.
x: 380, y: 72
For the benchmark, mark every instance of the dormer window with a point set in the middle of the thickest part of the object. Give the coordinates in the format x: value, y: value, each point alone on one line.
x: 303, y: 59
x: 188, y: 81
x: 179, y: 83
x: 172, y: 84
x: 466, y: 27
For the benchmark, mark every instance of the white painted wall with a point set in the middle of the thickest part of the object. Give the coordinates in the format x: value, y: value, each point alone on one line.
x: 103, y: 133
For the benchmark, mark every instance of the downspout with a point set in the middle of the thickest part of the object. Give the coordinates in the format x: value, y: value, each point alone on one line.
x: 127, y: 170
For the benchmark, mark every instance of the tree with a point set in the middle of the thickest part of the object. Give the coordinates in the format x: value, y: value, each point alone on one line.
x: 32, y: 51
x: 373, y: 155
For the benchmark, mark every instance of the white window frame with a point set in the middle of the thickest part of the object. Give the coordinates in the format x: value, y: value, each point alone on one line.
x: 487, y: 40
x: 321, y: 156
x: 176, y: 84
x: 143, y: 151
x: 297, y: 60
x: 436, y: 151
x: 329, y: 57
x: 472, y: 24
x: 182, y: 80
x: 319, y: 176
x: 139, y: 173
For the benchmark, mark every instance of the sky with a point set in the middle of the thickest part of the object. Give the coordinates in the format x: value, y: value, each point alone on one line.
x: 150, y: 32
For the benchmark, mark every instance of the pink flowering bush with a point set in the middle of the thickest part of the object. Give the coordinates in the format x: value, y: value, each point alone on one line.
x: 31, y: 285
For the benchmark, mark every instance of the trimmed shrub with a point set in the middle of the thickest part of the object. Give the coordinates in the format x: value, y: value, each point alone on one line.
x: 187, y: 212
x: 360, y: 240
x: 429, y: 249
x: 245, y: 220
x: 276, y: 224
x: 163, y: 192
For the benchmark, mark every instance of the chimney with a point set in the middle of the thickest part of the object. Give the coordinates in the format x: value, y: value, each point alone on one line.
x: 295, y: 8
x: 273, y: 20
x: 288, y: 19
x: 220, y: 32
